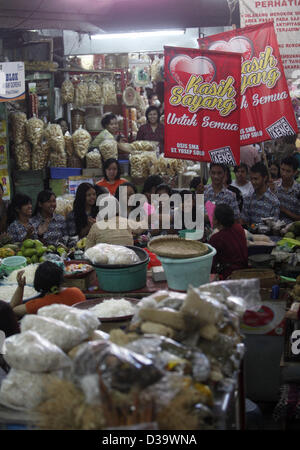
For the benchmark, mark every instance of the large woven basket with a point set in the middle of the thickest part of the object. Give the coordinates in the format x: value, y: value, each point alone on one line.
x: 175, y: 247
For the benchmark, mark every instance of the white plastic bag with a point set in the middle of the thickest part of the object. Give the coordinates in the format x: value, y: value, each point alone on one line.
x: 59, y: 333
x: 31, y: 352
x: 111, y: 254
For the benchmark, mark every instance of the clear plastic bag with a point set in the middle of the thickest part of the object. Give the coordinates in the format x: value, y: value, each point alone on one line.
x: 84, y: 320
x: 31, y: 352
x: 23, y: 156
x: 94, y: 96
x: 69, y: 147
x: 109, y: 149
x: 35, y: 130
x: 18, y: 121
x: 80, y: 94
x: 59, y: 333
x: 55, y: 138
x: 40, y: 156
x: 109, y: 93
x: 202, y: 307
x: 93, y: 159
x: 111, y: 254
x: 67, y: 92
x: 81, y: 141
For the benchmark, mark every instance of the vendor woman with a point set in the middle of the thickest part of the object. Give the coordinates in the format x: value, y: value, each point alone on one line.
x: 153, y: 130
x: 19, y: 219
x: 51, y: 228
x: 48, y: 279
x: 112, y: 176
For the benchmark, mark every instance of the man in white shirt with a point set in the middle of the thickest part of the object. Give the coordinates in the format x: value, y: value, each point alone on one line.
x: 241, y: 181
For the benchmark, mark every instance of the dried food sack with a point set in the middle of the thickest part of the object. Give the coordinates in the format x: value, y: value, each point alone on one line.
x: 67, y: 92
x: 24, y: 389
x: 35, y: 130
x: 93, y: 159
x: 80, y: 95
x: 59, y: 333
x: 69, y: 147
x: 31, y: 352
x: 57, y: 159
x: 18, y: 121
x: 71, y: 316
x: 109, y: 93
x: 81, y: 141
x: 94, y: 96
x: 109, y: 149
x: 40, y: 156
x: 23, y: 156
x: 55, y: 137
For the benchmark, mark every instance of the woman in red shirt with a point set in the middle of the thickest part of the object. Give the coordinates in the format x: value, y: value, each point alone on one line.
x: 153, y: 130
x: 112, y: 176
x: 230, y: 242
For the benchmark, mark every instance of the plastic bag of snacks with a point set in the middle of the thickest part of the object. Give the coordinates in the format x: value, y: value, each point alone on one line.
x: 109, y: 149
x: 170, y: 166
x: 64, y: 204
x: 69, y: 147
x: 34, y: 130
x: 94, y: 95
x: 40, y: 156
x: 23, y: 156
x: 93, y: 159
x: 81, y: 92
x: 141, y: 163
x: 55, y: 137
x: 109, y: 93
x: 81, y: 141
x: 144, y: 146
x: 57, y: 159
x: 18, y: 121
x: 67, y: 92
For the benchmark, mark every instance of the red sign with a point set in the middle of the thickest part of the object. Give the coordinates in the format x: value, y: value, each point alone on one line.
x: 266, y: 107
x: 202, y: 105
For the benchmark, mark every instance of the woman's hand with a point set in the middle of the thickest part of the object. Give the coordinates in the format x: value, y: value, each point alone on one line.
x: 21, y: 280
x: 91, y: 221
x: 30, y: 230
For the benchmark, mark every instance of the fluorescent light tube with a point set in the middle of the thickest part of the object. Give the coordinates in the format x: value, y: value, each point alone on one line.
x: 138, y: 34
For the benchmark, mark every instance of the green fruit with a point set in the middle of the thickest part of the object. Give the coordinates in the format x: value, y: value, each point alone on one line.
x: 38, y: 243
x: 51, y: 248
x: 61, y: 250
x: 42, y: 259
x: 19, y: 253
x: 28, y: 260
x: 29, y: 252
x: 28, y: 243
x: 41, y: 250
x: 34, y: 259
x: 289, y: 235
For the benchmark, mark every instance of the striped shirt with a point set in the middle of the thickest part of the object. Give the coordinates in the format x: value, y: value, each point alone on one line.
x: 256, y: 208
x: 224, y: 196
x: 289, y: 199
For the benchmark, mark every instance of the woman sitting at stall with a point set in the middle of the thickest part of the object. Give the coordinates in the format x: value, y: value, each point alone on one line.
x: 153, y: 130
x: 51, y: 228
x: 229, y: 241
x: 19, y: 219
x: 48, y: 279
x: 112, y: 175
x: 83, y: 216
x: 110, y: 127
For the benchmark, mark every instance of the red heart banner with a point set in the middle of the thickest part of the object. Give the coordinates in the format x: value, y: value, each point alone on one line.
x: 266, y: 108
x: 202, y: 105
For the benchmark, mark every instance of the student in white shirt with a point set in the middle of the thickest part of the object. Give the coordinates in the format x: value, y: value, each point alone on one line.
x: 242, y: 182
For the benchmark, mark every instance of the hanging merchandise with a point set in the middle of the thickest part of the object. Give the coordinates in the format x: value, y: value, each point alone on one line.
x: 18, y: 122
x: 109, y: 92
x: 157, y: 69
x: 141, y: 75
x: 67, y: 92
x: 34, y: 130
x: 40, y: 156
x: 94, y: 95
x: 81, y: 141
x: 129, y: 96
x: 81, y: 93
x: 266, y: 107
x: 55, y: 138
x: 69, y: 147
x: 23, y: 156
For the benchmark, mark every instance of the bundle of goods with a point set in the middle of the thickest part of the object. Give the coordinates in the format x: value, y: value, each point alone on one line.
x: 81, y: 141
x: 167, y: 370
x: 142, y: 164
x: 94, y: 95
x: 18, y: 122
x: 67, y: 92
x: 35, y: 130
x: 169, y: 166
x: 93, y: 159
x: 40, y: 156
x: 80, y: 94
x: 144, y: 146
x: 55, y: 138
x: 23, y: 156
x: 109, y: 149
x: 109, y: 93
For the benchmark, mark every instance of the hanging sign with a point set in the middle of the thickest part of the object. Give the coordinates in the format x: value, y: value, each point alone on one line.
x: 12, y: 81
x: 202, y: 105
x: 266, y: 107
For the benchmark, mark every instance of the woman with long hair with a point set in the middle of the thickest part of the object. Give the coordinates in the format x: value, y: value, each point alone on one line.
x: 20, y: 219
x: 83, y: 216
x: 51, y: 228
x: 112, y: 175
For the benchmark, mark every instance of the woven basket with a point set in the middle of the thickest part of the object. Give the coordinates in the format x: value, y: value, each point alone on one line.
x: 175, y: 247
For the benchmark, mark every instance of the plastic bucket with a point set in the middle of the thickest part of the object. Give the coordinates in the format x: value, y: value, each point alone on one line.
x: 180, y: 273
x: 13, y: 263
x: 123, y: 279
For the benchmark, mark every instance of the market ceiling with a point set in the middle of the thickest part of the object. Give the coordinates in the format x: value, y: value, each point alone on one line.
x: 94, y: 16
